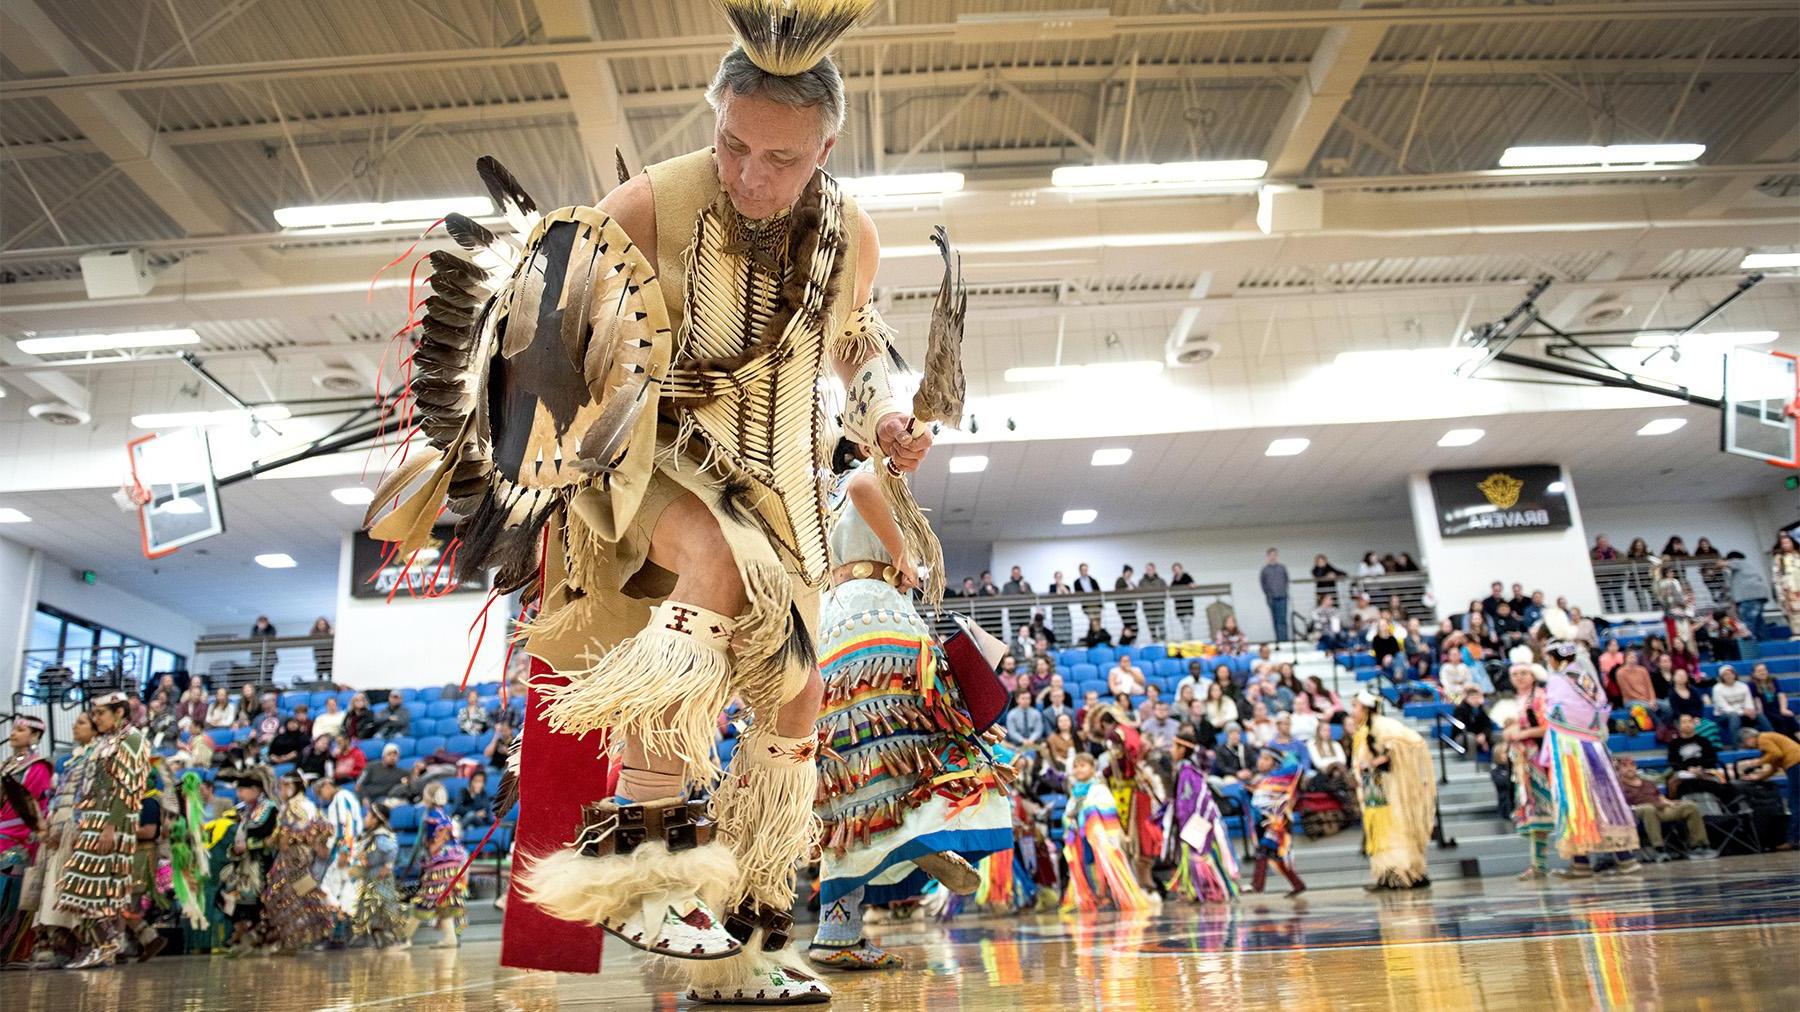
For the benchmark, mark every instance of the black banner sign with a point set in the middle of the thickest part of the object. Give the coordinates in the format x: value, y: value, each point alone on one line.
x: 1500, y: 500
x: 374, y: 574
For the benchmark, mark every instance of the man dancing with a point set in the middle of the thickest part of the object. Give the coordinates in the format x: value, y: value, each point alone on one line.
x: 29, y: 781
x: 629, y: 419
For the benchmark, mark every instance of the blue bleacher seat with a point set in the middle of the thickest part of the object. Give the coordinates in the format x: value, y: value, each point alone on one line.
x: 1101, y: 656
x: 221, y: 736
x: 1153, y: 652
x: 463, y: 744
x: 316, y: 700
x: 1169, y: 667
x: 726, y: 748
x: 427, y: 745
x: 1085, y: 672
x: 1779, y: 648
x: 484, y: 738
x: 440, y: 709
x: 225, y: 792
x: 371, y: 748
x: 1789, y: 684
x: 407, y: 746
x: 287, y: 699
x: 283, y: 769
x: 1066, y: 659
x: 405, y: 817
x: 240, y: 734
x: 453, y: 786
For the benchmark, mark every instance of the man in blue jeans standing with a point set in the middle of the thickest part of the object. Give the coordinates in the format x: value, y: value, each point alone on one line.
x: 1748, y: 588
x: 1275, y: 587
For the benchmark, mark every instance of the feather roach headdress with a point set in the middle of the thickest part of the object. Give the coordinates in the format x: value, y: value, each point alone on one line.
x: 790, y: 37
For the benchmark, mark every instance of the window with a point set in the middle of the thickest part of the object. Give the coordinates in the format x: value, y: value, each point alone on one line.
x: 90, y: 649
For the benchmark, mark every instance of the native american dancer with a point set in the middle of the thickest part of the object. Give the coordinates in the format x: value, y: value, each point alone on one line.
x: 381, y: 914
x: 623, y: 405
x: 1194, y: 834
x: 342, y: 880
x: 1272, y: 797
x: 1139, y: 791
x: 1534, y: 812
x: 908, y: 792
x: 442, y: 886
x: 1100, y: 872
x: 295, y: 913
x: 243, y: 878
x: 98, y: 883
x: 1398, y: 791
x: 1592, y: 816
x: 56, y: 943
x: 28, y: 780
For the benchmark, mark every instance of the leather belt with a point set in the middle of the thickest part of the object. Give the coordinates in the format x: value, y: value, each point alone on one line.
x: 866, y: 569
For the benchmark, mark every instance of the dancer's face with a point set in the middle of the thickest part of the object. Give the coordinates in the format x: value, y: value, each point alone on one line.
x: 766, y: 152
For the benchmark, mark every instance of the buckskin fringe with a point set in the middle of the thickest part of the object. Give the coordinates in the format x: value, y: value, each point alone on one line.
x: 661, y: 687
x: 764, y: 810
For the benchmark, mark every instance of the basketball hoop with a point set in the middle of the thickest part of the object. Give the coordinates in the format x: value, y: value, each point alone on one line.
x: 131, y: 495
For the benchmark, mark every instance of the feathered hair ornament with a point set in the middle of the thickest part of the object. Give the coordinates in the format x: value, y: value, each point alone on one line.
x: 790, y: 37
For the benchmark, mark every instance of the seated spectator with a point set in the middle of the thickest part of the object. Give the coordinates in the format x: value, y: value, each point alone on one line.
x: 1585, y: 633
x: 1218, y: 710
x: 473, y: 807
x: 1261, y: 729
x: 347, y: 761
x: 1008, y: 672
x: 1329, y: 622
x: 383, y: 779
x: 1097, y: 636
x: 1234, y: 761
x: 1122, y: 711
x: 1733, y: 705
x: 1160, y: 729
x: 1283, y: 739
x: 496, y: 750
x: 968, y: 589
x: 160, y: 726
x: 1267, y: 689
x: 397, y: 721
x: 1633, y: 680
x: 1043, y: 673
x: 1025, y: 726
x: 473, y: 718
x: 1778, y: 754
x: 331, y: 722
x: 1610, y: 659
x: 1653, y: 809
x: 1453, y: 677
x: 1024, y: 645
x: 1771, y: 702
x: 1128, y: 634
x: 1195, y: 679
x: 1683, y: 659
x: 1125, y: 679
x: 1477, y: 732
x: 1090, y: 701
x: 286, y: 746
x: 1319, y: 701
x: 223, y: 712
x: 1694, y: 766
x: 1231, y: 640
x: 267, y: 723
x: 1059, y: 744
x: 361, y: 722
x: 192, y: 707
x: 303, y: 713
x: 1684, y: 700
x: 1330, y: 766
x: 1508, y: 626
x: 1152, y: 696
x: 1533, y: 612
x: 1056, y: 703
x: 316, y: 760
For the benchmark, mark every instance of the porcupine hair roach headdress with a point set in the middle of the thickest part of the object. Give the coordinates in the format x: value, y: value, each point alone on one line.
x: 789, y: 37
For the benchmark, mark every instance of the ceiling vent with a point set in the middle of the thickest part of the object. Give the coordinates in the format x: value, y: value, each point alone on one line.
x: 341, y: 381
x: 1193, y: 351
x: 58, y: 413
x: 1605, y: 311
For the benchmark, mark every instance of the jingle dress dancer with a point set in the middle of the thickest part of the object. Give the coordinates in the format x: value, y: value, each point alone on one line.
x: 295, y: 911
x: 442, y: 885
x: 381, y: 915
x: 1397, y: 789
x: 56, y: 943
x: 98, y: 883
x: 24, y: 807
x: 623, y: 403
x: 908, y: 791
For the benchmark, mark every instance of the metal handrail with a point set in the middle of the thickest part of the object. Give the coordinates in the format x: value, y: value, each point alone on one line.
x: 1002, y: 614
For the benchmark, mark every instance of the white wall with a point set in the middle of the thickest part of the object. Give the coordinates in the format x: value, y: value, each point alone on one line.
x: 19, y: 570
x: 412, y: 642
x: 1555, y: 562
x: 1231, y: 555
x: 1744, y: 525
x: 151, y: 621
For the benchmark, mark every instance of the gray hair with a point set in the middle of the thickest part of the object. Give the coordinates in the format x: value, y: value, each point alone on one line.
x: 822, y: 88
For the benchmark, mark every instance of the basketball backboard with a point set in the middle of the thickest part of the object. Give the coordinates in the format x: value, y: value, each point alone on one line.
x: 1759, y: 413
x: 173, y: 489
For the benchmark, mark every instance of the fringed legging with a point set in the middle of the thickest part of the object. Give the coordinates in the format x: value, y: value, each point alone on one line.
x: 1263, y: 859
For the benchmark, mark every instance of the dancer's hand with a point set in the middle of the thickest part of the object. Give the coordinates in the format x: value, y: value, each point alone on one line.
x: 904, y: 448
x: 909, y: 574
x: 109, y: 840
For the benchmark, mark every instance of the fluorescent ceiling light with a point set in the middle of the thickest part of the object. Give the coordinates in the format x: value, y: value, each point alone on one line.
x: 1661, y: 426
x: 1447, y: 358
x: 1111, y: 458
x: 1087, y: 177
x: 912, y: 184
x: 1092, y: 371
x: 1724, y: 338
x: 1539, y: 156
x: 276, y: 560
x: 355, y: 495
x: 1556, y: 488
x: 187, y: 419
x: 1291, y: 447
x: 181, y: 507
x: 1462, y: 437
x: 8, y: 515
x: 108, y: 342
x: 1763, y: 261
x: 968, y: 465
x: 1073, y: 517
x: 429, y: 209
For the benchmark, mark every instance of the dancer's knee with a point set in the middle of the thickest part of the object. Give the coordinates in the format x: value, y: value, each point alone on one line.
x: 798, y: 715
x: 688, y: 542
